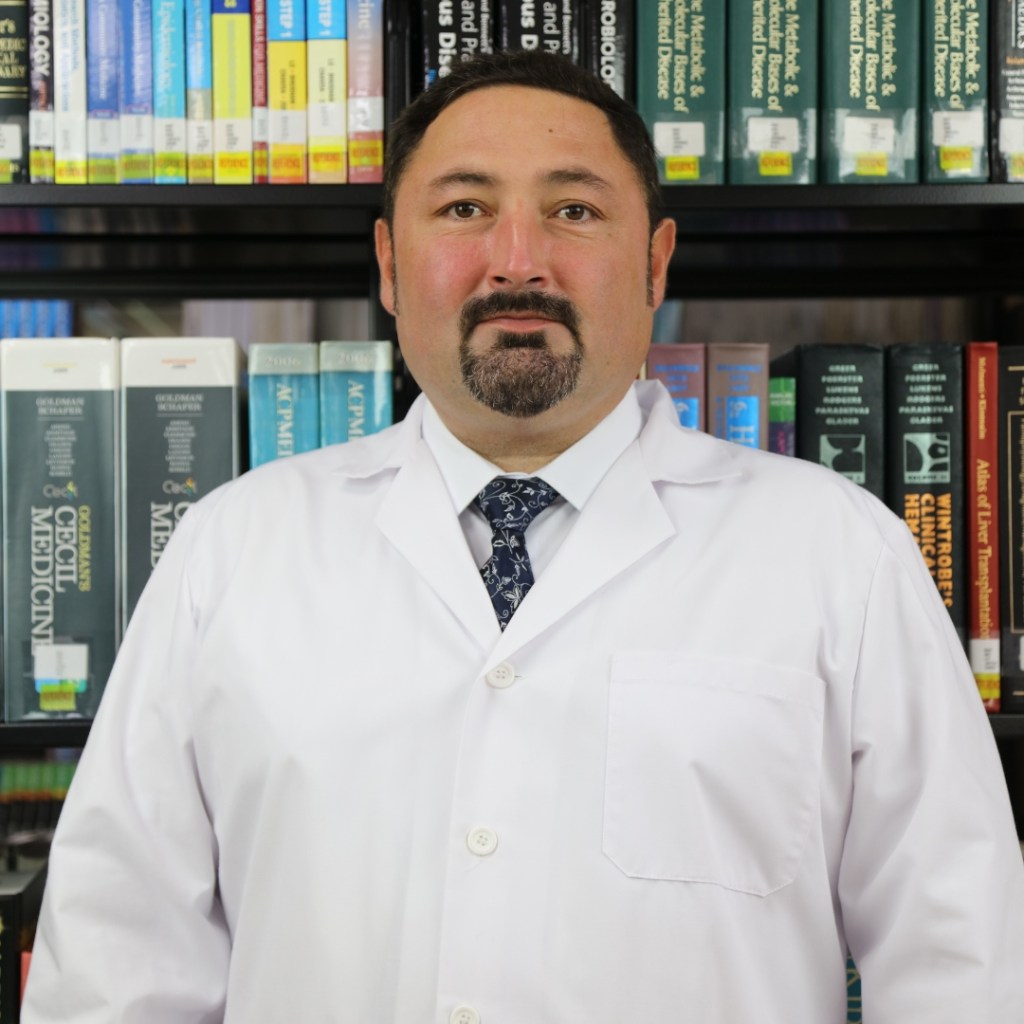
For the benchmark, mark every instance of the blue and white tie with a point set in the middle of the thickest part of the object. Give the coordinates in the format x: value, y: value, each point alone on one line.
x: 510, y: 504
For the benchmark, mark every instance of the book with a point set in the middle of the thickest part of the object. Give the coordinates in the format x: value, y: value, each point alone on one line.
x: 14, y: 91
x: 871, y: 91
x: 454, y: 32
x: 1010, y: 483
x: 955, y: 91
x: 231, y: 22
x: 840, y: 409
x: 365, y: 91
x: 681, y: 52
x: 70, y: 106
x: 782, y: 400
x: 103, y: 77
x: 179, y: 440
x: 681, y: 368
x: 199, y: 92
x: 981, y: 390
x: 286, y: 91
x: 1007, y: 85
x: 170, y: 136
x: 327, y: 50
x: 773, y: 91
x: 284, y: 400
x: 356, y: 387
x: 136, y: 92
x: 260, y: 95
x: 553, y: 27
x: 854, y: 995
x: 925, y: 482
x: 737, y: 387
x: 58, y: 402
x: 609, y: 33
x: 21, y: 896
x: 40, y: 111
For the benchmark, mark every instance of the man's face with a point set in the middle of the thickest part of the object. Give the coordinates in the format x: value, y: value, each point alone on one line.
x: 521, y: 272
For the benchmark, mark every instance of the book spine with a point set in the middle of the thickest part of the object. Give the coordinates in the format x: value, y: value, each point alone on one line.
x: 682, y: 369
x: 925, y: 465
x: 199, y: 92
x: 69, y: 93
x: 356, y: 389
x: 14, y: 91
x: 169, y: 111
x: 231, y: 22
x: 982, y: 386
x: 284, y: 415
x: 955, y: 93
x: 136, y: 92
x: 40, y: 114
x: 327, y: 49
x: 103, y: 131
x: 610, y: 44
x: 782, y: 398
x: 365, y: 91
x: 286, y: 91
x: 555, y: 27
x: 1007, y: 91
x: 260, y: 95
x: 737, y: 385
x: 681, y: 87
x: 773, y: 91
x: 1011, y: 526
x: 871, y: 91
x: 450, y: 35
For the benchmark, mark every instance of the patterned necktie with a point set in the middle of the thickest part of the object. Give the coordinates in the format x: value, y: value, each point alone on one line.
x: 510, y: 504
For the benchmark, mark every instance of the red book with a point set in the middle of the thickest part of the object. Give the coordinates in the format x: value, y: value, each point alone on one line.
x: 681, y: 369
x: 260, y: 114
x: 981, y: 387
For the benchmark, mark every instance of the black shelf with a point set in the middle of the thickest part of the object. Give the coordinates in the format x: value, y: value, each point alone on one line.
x: 23, y: 736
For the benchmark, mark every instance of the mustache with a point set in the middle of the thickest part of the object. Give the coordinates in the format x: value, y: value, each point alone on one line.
x: 549, y: 307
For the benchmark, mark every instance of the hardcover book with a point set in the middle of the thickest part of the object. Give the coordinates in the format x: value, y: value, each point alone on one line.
x: 136, y: 91
x: 284, y: 400
x: 103, y: 75
x: 1011, y: 526
x: 840, y: 409
x: 40, y: 113
x: 454, y: 32
x: 199, y: 91
x: 773, y: 91
x: 170, y: 145
x: 365, y: 91
x: 356, y: 387
x: 21, y: 896
x: 782, y: 400
x: 737, y: 386
x: 871, y: 91
x: 14, y: 91
x: 58, y: 399
x: 179, y: 440
x: 231, y: 22
x: 682, y: 369
x: 681, y: 83
x: 925, y: 482
x: 327, y: 48
x: 955, y: 90
x: 1007, y: 141
x: 981, y: 366
x: 554, y: 26
x: 610, y: 44
x: 286, y: 91
x: 260, y: 95
x: 70, y: 107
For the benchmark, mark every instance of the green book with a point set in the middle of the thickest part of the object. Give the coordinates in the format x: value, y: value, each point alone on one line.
x: 1007, y: 92
x: 871, y: 91
x: 681, y: 87
x: 955, y: 98
x: 773, y: 91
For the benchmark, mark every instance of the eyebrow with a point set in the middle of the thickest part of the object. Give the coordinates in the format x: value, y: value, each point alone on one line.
x: 479, y: 179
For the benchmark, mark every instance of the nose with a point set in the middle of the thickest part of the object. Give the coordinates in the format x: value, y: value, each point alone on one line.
x: 518, y: 254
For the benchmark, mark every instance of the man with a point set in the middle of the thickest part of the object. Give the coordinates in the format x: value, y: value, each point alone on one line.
x: 714, y: 730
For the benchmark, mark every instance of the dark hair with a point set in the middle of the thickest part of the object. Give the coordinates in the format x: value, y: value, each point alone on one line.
x: 535, y: 69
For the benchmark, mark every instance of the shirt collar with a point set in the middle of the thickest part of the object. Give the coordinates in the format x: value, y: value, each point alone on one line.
x: 575, y: 473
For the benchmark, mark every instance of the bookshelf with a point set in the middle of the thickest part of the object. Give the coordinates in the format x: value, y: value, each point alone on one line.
x: 736, y: 241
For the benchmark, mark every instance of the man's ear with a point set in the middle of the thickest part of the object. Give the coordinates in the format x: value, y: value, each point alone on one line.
x: 663, y: 243
x: 386, y: 265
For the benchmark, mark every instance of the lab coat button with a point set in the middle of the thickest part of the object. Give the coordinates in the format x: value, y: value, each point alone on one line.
x: 482, y: 841
x: 464, y: 1015
x: 501, y: 676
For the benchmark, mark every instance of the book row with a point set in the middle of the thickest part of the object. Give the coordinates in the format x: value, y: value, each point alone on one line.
x: 935, y: 430
x: 35, y: 318
x: 292, y: 91
x: 105, y: 445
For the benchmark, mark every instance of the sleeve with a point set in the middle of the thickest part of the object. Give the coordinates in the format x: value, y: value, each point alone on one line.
x: 931, y: 882
x: 131, y: 929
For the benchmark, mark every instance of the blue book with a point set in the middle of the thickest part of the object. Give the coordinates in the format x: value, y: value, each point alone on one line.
x: 27, y: 319
x: 102, y: 71
x: 355, y: 389
x: 136, y: 92
x: 63, y: 318
x: 8, y: 318
x: 199, y: 91
x: 284, y: 400
x: 169, y: 141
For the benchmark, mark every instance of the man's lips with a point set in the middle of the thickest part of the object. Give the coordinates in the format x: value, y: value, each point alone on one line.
x: 514, y: 322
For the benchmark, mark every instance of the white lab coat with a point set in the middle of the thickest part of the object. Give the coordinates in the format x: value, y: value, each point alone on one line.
x: 729, y: 732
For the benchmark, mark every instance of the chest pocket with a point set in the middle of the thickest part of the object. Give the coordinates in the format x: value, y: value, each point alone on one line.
x: 712, y: 770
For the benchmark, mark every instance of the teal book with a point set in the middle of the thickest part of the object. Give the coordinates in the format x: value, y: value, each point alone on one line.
x: 681, y: 50
x: 871, y: 91
x: 356, y: 389
x: 773, y: 91
x: 284, y: 400
x: 1007, y: 100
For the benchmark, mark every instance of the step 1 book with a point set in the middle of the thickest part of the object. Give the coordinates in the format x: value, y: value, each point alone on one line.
x: 327, y: 48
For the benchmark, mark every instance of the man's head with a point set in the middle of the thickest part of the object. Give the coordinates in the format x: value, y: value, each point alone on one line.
x: 517, y: 250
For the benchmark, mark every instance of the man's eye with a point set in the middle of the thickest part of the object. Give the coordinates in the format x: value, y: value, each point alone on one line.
x: 575, y: 212
x: 463, y: 211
